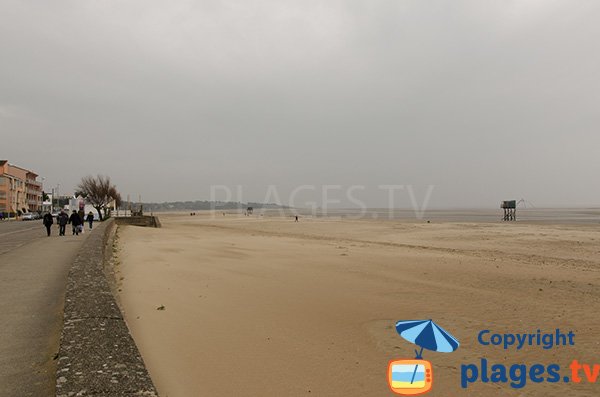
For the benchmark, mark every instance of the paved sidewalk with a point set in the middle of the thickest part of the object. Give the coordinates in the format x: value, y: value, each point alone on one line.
x: 13, y: 234
x: 33, y: 273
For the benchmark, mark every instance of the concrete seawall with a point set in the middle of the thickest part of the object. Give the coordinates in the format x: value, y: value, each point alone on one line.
x: 145, y: 220
x: 97, y: 355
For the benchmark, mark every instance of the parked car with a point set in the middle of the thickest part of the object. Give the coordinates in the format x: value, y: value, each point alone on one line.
x: 28, y: 216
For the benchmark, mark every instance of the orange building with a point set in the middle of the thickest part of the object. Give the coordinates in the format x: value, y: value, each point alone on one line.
x: 20, y: 191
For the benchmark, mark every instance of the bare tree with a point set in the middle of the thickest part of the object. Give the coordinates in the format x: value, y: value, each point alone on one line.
x: 99, y: 192
x: 114, y: 195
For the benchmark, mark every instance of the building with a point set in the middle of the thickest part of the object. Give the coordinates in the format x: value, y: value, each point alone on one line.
x: 47, y: 203
x: 20, y: 191
x: 80, y: 202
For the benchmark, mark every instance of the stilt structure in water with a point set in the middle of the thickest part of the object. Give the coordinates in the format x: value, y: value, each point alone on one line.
x: 510, y: 210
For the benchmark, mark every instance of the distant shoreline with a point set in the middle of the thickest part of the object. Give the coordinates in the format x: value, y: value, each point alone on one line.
x: 577, y: 216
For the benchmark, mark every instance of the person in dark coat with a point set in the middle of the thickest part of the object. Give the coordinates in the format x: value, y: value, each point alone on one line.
x: 62, y: 219
x: 48, y: 221
x: 81, y: 214
x: 75, y: 221
x: 90, y: 219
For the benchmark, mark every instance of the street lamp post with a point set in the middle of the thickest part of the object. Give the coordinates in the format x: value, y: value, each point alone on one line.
x: 58, y: 195
x: 41, y: 209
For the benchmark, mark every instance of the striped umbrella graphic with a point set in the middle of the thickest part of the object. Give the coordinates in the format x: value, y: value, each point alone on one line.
x: 427, y: 335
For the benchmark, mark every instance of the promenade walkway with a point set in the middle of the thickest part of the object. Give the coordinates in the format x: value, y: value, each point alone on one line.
x: 33, y: 272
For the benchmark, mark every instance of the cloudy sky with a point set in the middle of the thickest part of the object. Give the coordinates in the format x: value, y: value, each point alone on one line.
x: 483, y: 100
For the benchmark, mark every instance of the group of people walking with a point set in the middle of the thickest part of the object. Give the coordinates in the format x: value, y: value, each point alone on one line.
x: 77, y: 220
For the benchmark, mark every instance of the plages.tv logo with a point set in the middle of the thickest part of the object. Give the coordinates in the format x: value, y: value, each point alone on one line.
x: 415, y: 376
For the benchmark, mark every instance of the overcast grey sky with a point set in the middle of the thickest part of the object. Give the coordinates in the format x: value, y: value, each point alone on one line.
x: 485, y: 100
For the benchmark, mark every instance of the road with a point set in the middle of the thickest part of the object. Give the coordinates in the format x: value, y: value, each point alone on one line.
x: 33, y: 272
x: 14, y: 234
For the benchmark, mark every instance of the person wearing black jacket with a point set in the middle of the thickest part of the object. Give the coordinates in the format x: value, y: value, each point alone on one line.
x: 48, y: 221
x: 90, y: 219
x: 62, y: 219
x: 75, y: 221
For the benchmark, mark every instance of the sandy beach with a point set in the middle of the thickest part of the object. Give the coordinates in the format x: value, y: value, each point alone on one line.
x: 255, y: 306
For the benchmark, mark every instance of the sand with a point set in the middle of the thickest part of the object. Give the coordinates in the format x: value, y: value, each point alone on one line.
x: 270, y: 307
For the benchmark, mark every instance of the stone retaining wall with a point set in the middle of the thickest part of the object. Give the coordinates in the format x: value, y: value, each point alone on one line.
x: 97, y: 355
x: 146, y: 220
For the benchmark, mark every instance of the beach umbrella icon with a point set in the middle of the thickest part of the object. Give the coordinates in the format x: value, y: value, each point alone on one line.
x: 427, y: 335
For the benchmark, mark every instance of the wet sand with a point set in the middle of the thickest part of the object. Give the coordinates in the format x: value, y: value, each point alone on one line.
x: 270, y: 307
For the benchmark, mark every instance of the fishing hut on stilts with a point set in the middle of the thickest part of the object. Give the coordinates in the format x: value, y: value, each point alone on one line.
x: 510, y: 210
